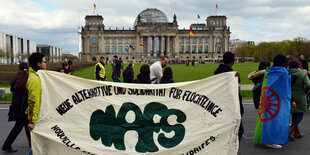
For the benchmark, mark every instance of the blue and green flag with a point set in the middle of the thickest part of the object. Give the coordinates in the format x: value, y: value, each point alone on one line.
x: 272, y: 126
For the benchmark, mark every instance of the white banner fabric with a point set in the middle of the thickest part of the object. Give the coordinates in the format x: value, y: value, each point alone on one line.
x: 81, y: 116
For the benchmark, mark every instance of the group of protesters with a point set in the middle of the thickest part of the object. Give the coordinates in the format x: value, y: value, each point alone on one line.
x: 148, y: 74
x: 300, y: 86
x: 26, y: 87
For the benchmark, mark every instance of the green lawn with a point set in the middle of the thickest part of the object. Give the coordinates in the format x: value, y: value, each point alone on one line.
x: 246, y: 93
x: 181, y: 72
x: 8, y: 97
x: 5, y: 85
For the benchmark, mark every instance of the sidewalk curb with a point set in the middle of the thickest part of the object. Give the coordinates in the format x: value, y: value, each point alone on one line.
x: 5, y: 102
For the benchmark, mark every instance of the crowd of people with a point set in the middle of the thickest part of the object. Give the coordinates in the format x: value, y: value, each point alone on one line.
x: 148, y: 74
x: 300, y: 86
x: 26, y: 87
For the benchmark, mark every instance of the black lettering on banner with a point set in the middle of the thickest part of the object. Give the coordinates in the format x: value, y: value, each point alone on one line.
x: 175, y: 93
x: 119, y: 91
x: 196, y: 149
x: 147, y: 92
x: 201, y: 100
x: 106, y: 90
x: 64, y: 107
x: 65, y: 140
x: 85, y: 94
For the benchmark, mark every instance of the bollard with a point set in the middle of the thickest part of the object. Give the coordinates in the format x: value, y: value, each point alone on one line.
x: 2, y: 93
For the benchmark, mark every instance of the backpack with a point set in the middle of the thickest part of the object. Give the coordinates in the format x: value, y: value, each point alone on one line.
x: 256, y: 94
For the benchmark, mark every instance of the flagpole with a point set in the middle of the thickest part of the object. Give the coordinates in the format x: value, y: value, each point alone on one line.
x: 197, y: 19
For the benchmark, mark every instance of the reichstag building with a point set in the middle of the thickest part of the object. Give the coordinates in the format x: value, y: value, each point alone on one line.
x: 153, y: 36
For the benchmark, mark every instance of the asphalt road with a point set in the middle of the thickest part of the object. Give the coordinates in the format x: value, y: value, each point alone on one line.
x: 247, y: 146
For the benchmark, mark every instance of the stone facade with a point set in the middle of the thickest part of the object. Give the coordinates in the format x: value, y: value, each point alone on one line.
x: 236, y: 43
x: 151, y: 39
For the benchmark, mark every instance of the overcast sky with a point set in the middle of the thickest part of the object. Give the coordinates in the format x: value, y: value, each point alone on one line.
x: 56, y: 22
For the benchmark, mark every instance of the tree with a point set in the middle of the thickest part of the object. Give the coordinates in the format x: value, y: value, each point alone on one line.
x: 291, y: 48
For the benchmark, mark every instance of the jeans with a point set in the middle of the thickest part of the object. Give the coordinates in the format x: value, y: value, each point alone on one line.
x: 296, y: 119
x: 116, y: 75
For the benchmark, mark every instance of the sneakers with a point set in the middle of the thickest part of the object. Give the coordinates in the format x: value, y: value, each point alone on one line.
x: 274, y: 146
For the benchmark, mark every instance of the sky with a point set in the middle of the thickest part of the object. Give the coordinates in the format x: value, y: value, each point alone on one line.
x: 56, y: 22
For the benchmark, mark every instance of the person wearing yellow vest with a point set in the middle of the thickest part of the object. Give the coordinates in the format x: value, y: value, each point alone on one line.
x: 100, y: 70
x: 33, y: 86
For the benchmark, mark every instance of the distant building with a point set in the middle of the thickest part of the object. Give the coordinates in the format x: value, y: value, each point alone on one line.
x: 15, y: 49
x: 236, y: 43
x: 68, y: 56
x: 152, y: 37
x: 52, y: 53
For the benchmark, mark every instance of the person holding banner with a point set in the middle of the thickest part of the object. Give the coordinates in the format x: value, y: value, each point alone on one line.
x: 36, y: 62
x: 229, y: 60
x: 300, y: 86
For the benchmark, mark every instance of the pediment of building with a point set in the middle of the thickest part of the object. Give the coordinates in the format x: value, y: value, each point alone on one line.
x: 158, y: 29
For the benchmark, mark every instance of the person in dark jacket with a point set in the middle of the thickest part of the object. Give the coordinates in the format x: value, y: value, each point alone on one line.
x: 116, y: 68
x: 167, y: 76
x: 300, y: 86
x: 128, y: 74
x: 64, y: 68
x: 304, y: 63
x: 229, y: 60
x: 144, y: 76
x: 18, y: 108
x: 257, y: 77
x: 70, y: 67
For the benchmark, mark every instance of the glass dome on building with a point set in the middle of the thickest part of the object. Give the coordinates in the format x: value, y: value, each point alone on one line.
x: 152, y: 15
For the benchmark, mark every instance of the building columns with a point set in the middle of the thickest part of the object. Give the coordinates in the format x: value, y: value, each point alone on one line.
x: 154, y: 46
x: 168, y: 45
x: 148, y: 46
x: 161, y: 46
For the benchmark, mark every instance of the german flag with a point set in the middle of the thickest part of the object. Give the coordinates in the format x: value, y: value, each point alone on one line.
x: 95, y: 6
x: 191, y: 32
x: 141, y: 45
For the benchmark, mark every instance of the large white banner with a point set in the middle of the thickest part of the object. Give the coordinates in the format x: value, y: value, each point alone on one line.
x: 80, y: 116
